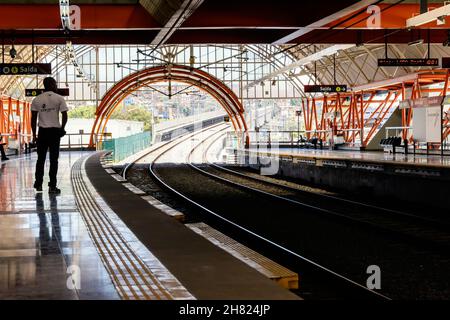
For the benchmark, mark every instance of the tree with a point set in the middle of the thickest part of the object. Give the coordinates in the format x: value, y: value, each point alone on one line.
x: 83, y: 112
x: 130, y: 112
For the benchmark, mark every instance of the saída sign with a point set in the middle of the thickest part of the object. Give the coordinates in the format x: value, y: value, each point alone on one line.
x: 325, y: 88
x: 13, y: 69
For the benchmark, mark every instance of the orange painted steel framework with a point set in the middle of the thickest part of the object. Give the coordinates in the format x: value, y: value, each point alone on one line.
x: 358, y: 115
x: 15, y: 119
x: 192, y: 76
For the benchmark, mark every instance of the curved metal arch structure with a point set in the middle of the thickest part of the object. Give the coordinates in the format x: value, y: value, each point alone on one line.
x: 179, y: 73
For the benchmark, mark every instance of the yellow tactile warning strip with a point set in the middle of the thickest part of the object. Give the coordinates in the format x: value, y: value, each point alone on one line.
x: 133, y: 188
x: 164, y: 208
x: 106, y: 162
x: 283, y: 276
x: 134, y: 276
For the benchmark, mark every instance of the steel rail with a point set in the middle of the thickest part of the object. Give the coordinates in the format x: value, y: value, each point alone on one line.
x: 245, y: 230
x: 433, y: 222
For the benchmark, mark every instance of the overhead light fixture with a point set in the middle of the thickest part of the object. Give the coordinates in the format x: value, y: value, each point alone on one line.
x: 415, y: 42
x: 13, y: 52
x: 64, y: 12
x: 71, y: 57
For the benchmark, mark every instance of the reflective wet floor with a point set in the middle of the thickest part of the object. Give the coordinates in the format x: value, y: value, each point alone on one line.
x: 45, y: 248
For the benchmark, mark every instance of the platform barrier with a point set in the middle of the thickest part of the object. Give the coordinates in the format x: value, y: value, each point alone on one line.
x: 126, y: 146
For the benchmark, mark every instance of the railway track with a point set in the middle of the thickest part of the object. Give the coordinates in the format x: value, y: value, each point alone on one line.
x: 257, y: 218
x: 347, y: 287
x: 410, y: 226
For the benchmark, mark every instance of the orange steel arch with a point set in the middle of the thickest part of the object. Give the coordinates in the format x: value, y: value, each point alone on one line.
x: 201, y: 79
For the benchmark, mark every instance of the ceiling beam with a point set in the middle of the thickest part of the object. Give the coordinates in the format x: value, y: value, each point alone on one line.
x: 170, y: 14
x: 161, y: 10
x: 93, y: 16
x: 438, y: 14
x: 324, y: 21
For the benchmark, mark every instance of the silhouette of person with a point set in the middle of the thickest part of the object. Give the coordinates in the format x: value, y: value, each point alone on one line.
x: 46, y: 108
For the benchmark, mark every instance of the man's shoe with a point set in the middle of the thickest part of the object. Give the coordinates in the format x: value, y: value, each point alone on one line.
x: 5, y: 159
x: 54, y: 190
x: 37, y: 187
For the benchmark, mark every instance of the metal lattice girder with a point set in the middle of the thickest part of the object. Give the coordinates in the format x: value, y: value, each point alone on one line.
x: 354, y: 66
x: 358, y: 115
x: 358, y: 64
x: 15, y: 119
x: 204, y: 81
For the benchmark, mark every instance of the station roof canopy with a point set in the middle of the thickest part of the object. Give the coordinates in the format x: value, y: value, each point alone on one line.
x: 213, y: 21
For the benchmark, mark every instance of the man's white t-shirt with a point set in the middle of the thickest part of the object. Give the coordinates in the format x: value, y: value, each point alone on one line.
x: 49, y: 105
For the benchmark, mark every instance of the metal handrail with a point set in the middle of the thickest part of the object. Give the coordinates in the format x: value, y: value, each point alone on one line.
x: 85, y: 144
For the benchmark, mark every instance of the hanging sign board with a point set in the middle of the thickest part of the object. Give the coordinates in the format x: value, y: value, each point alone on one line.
x: 426, y: 62
x: 325, y: 88
x: 421, y: 102
x: 12, y: 69
x: 35, y: 92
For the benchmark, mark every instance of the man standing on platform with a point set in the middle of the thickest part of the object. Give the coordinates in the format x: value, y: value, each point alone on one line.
x: 46, y: 107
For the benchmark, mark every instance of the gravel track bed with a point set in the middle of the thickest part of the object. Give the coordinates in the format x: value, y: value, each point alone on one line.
x: 414, y: 228
x: 408, y: 271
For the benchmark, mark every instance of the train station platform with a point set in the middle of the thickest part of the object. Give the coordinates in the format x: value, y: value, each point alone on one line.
x: 415, y: 178
x: 100, y: 240
x: 375, y: 157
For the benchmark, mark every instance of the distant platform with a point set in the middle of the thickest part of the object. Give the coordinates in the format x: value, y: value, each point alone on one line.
x: 418, y: 160
x: 412, y: 178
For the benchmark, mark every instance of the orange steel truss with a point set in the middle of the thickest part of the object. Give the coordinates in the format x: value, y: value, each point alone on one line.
x: 15, y: 119
x: 201, y: 79
x: 357, y: 115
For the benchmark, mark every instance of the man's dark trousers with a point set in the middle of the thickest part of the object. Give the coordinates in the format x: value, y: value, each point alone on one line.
x: 48, y: 139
